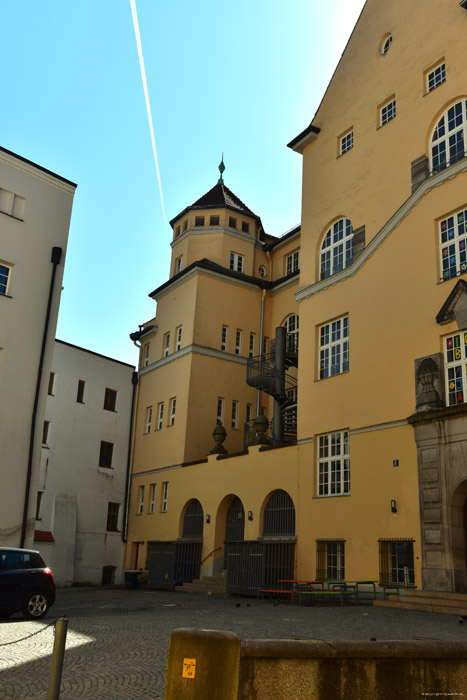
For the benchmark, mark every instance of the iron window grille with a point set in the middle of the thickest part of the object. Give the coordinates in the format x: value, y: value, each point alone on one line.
x: 279, y: 515
x: 396, y: 563
x: 193, y: 521
x: 330, y: 560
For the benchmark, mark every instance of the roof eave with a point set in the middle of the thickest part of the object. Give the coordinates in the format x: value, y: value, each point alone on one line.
x: 300, y: 142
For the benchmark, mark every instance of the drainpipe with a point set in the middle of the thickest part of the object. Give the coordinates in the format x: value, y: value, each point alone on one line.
x: 134, y: 381
x: 258, y: 392
x: 55, y: 260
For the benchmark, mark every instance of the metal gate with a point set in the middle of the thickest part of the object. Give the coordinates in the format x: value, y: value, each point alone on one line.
x: 253, y: 565
x: 173, y: 563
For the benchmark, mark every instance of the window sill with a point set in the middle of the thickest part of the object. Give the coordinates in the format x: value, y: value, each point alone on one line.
x: 7, y: 296
x: 104, y: 470
x: 333, y: 495
x: 12, y: 216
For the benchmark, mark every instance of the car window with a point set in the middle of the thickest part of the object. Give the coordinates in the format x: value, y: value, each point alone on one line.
x: 12, y: 560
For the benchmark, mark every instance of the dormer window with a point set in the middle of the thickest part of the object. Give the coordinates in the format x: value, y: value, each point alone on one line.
x: 199, y: 221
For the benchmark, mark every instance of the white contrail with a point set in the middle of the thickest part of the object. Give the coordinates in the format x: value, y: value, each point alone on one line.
x: 146, y: 97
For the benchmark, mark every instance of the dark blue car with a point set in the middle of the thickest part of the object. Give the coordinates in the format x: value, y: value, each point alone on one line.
x: 26, y: 583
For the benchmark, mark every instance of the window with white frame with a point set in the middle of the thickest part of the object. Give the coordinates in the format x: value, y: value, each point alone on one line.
x: 173, y: 404
x: 238, y: 341
x: 292, y: 262
x: 4, y: 276
x: 152, y: 498
x: 178, y: 264
x: 455, y: 354
x: 265, y: 345
x: 453, y: 245
x: 178, y: 341
x: 220, y: 411
x: 346, y: 142
x: 166, y: 344
x: 333, y: 464
x: 236, y: 262
x: 234, y: 423
x: 12, y: 204
x: 385, y: 44
x: 330, y: 560
x: 160, y: 415
x: 140, y: 500
x: 147, y: 427
x: 291, y: 328
x: 146, y: 355
x: 165, y: 496
x: 224, y: 338
x: 387, y: 112
x: 449, y: 137
x: 337, y: 248
x: 334, y: 348
x: 436, y: 77
x: 251, y: 350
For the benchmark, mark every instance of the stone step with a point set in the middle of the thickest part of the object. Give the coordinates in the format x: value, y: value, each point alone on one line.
x: 189, y: 588
x: 461, y: 597
x: 431, y: 600
x: 422, y: 607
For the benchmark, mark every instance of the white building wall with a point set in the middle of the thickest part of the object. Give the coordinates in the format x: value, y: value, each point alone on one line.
x: 35, y: 211
x: 76, y: 490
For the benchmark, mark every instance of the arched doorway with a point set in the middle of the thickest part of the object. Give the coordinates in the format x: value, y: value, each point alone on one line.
x: 193, y: 520
x: 278, y: 539
x: 459, y: 537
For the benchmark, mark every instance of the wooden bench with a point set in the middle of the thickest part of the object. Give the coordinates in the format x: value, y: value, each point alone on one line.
x: 341, y: 593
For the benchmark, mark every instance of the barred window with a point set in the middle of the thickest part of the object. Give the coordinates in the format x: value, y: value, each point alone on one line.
x: 333, y: 464
x: 330, y: 560
x: 396, y: 563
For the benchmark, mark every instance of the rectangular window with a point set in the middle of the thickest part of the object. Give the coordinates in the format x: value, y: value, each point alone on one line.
x: 140, y: 500
x: 333, y: 464
x: 453, y: 245
x: 232, y: 222
x: 214, y: 221
x: 152, y: 498
x: 12, y: 204
x: 185, y: 225
x: 160, y: 415
x: 178, y: 342
x: 387, y: 112
x: 199, y: 221
x: 292, y: 263
x: 436, y: 77
x: 265, y: 346
x: 146, y: 354
x: 238, y: 342
x: 45, y: 432
x: 234, y: 423
x: 50, y: 389
x: 346, y: 142
x: 105, y: 454
x: 4, y: 274
x: 178, y: 264
x: 177, y: 232
x: 455, y: 356
x: 112, y: 517
x: 236, y: 262
x: 166, y: 344
x: 249, y: 412
x: 165, y: 496
x: 147, y: 428
x: 330, y: 560
x: 39, y: 504
x: 173, y: 403
x: 220, y: 411
x: 396, y: 565
x: 80, y: 393
x: 110, y: 399
x: 224, y: 338
x: 334, y: 348
x: 251, y: 351
x: 245, y: 227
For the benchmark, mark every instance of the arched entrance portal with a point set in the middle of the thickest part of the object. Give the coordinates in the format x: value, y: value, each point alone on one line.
x: 278, y: 539
x: 459, y: 537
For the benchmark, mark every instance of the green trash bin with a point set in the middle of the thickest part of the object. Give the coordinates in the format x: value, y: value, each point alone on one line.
x: 131, y: 578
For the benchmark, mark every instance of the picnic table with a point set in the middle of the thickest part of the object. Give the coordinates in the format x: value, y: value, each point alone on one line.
x: 314, y: 589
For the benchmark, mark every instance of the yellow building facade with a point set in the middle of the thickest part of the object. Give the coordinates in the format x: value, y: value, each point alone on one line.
x: 363, y: 473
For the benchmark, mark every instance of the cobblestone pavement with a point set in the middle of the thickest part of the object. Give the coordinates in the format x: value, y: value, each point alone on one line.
x: 117, y: 639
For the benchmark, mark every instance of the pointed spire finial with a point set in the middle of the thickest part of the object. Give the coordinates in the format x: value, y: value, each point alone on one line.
x: 221, y: 170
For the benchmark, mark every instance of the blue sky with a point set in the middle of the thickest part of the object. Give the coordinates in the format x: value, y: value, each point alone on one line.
x: 241, y: 78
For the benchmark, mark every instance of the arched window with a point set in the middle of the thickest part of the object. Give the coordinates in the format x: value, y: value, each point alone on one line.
x: 336, y: 248
x: 385, y: 45
x: 193, y: 520
x: 449, y: 137
x: 279, y: 515
x: 291, y: 328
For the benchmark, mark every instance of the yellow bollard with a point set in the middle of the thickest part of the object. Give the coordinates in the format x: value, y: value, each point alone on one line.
x: 58, y: 654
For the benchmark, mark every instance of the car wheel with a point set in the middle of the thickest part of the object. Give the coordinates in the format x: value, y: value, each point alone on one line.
x: 35, y: 606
